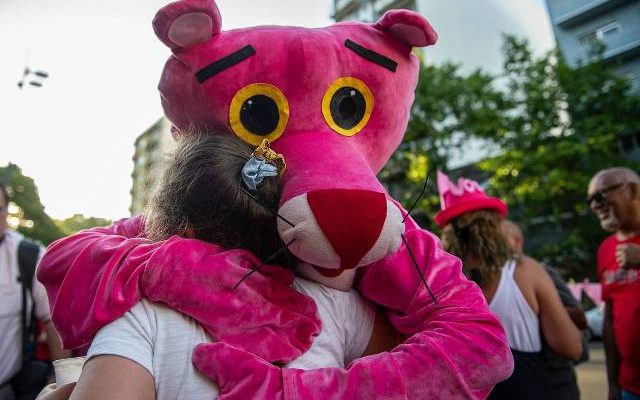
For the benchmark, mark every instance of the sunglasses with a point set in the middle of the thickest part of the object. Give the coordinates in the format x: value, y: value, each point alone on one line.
x: 601, y: 195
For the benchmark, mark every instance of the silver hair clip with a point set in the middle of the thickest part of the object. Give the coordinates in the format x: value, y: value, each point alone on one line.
x: 255, y: 170
x: 264, y: 162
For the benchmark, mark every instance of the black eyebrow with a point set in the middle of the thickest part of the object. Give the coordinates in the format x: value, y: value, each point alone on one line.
x: 224, y: 63
x: 372, y: 56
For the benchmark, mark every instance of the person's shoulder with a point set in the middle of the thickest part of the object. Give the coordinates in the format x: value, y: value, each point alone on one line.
x: 530, y: 265
x: 608, y: 242
x: 13, y: 236
x: 19, y: 239
x: 607, y: 246
x: 163, y: 319
x: 156, y: 311
x: 530, y: 270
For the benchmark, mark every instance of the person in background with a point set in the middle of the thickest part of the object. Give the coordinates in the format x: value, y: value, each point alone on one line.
x: 23, y: 303
x: 564, y: 385
x: 518, y: 289
x: 614, y: 196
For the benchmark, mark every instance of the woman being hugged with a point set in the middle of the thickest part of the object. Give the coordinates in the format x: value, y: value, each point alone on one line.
x: 517, y: 288
x: 215, y: 190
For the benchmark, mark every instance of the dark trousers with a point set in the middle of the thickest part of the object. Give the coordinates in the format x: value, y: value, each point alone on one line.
x: 564, y: 385
x: 530, y: 379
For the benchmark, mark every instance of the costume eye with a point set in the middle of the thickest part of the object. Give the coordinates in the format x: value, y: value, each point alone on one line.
x: 347, y: 105
x: 258, y: 111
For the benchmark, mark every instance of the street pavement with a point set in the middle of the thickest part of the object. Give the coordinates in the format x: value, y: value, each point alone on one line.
x: 592, y: 375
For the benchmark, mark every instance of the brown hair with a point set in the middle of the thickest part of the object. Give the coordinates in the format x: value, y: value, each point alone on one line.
x: 200, y: 196
x: 476, y: 238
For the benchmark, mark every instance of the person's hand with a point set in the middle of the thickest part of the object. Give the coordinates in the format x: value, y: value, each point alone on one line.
x: 51, y: 392
x: 628, y: 255
x: 239, y: 375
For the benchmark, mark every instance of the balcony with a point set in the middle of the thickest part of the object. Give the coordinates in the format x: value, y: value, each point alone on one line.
x: 569, y: 13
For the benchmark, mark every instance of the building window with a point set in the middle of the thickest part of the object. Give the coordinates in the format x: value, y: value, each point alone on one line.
x: 601, y: 34
x: 609, y: 30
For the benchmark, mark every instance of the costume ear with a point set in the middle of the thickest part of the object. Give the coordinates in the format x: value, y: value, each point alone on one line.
x: 409, y: 27
x: 185, y: 23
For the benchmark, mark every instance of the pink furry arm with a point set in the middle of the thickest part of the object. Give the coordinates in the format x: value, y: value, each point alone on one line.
x: 92, y: 278
x: 95, y: 276
x: 457, y: 350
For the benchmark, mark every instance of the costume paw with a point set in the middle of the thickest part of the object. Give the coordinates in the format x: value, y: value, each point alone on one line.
x: 239, y: 375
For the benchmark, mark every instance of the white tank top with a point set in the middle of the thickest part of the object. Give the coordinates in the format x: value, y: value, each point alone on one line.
x: 521, y: 324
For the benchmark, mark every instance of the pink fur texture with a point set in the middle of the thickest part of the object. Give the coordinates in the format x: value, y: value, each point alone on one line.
x: 303, y: 64
x: 455, y: 348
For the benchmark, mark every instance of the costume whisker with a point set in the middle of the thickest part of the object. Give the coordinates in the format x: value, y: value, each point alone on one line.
x: 415, y: 264
x: 415, y: 203
x: 275, y: 212
x: 267, y: 261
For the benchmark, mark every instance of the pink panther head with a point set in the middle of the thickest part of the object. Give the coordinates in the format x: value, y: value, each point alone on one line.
x: 334, y: 101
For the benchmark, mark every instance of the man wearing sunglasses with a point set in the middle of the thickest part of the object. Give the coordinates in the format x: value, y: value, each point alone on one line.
x: 614, y: 196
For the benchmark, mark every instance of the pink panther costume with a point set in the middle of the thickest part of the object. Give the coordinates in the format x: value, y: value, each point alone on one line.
x: 335, y: 102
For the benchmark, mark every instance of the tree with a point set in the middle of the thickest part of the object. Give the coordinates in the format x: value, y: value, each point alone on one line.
x: 78, y: 222
x: 555, y: 126
x: 449, y: 109
x: 563, y: 124
x: 26, y: 211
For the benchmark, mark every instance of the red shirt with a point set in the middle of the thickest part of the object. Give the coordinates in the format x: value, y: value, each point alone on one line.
x: 621, y: 287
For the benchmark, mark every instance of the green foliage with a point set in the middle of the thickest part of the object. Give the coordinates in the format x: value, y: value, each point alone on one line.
x: 79, y: 222
x: 563, y: 125
x: 555, y: 126
x: 449, y: 108
x: 28, y: 212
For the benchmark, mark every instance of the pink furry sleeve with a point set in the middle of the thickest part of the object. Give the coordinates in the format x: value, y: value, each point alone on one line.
x: 95, y: 276
x: 457, y: 348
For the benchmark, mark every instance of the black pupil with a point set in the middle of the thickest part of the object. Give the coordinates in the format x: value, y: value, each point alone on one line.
x: 259, y: 114
x: 347, y: 107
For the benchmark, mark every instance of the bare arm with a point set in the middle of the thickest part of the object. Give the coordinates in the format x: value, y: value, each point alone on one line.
x: 559, y: 331
x: 108, y: 377
x: 611, y: 353
x: 576, y: 314
x: 53, y: 341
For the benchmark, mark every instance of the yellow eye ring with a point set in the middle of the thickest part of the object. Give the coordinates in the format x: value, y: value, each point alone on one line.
x: 258, y: 111
x: 347, y: 105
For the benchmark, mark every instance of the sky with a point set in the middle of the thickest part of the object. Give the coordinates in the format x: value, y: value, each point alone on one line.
x: 74, y: 136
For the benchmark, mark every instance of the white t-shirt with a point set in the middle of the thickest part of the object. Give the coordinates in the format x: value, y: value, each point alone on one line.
x: 162, y: 340
x: 11, y: 306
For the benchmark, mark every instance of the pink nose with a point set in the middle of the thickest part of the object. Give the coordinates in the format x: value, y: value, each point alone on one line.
x: 352, y: 220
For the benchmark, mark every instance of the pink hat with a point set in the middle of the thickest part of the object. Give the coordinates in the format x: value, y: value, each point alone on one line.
x: 466, y: 196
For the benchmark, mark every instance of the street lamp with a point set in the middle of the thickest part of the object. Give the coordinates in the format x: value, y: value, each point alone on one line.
x: 34, y: 77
